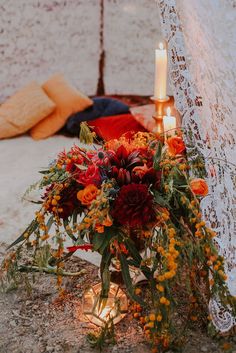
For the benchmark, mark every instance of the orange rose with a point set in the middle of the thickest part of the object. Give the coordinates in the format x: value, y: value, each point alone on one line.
x: 175, y: 145
x: 87, y: 195
x: 199, y: 187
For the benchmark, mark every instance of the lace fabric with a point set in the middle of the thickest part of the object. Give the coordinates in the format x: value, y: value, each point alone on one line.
x: 202, y: 49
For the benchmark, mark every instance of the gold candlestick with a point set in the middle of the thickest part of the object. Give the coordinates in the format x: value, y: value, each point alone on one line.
x: 160, y: 110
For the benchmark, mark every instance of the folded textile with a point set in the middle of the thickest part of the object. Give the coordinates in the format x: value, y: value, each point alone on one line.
x: 113, y: 127
x: 102, y: 107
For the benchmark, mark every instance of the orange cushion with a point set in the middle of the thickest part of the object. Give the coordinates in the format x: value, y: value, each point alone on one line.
x: 112, y: 127
x: 7, y: 129
x: 68, y: 101
x: 23, y: 110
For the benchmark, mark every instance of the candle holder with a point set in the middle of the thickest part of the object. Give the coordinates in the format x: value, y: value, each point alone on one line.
x: 160, y: 110
x: 104, y: 311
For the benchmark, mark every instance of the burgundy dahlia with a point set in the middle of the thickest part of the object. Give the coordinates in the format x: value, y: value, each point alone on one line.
x: 133, y: 206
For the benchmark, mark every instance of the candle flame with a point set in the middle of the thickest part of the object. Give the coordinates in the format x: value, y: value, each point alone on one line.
x: 168, y: 110
x: 161, y: 46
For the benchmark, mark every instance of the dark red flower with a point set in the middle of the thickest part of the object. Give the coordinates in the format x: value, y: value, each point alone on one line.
x: 134, y: 206
x: 121, y: 164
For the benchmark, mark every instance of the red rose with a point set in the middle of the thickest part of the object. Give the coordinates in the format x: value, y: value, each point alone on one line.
x: 90, y: 176
x: 133, y: 206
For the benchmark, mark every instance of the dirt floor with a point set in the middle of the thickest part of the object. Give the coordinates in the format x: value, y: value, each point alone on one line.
x: 39, y: 321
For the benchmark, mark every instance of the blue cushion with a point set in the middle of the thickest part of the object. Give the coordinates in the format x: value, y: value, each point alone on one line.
x: 101, y: 107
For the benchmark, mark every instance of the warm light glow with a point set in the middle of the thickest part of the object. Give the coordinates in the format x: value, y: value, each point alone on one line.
x: 169, y: 123
x: 100, y: 312
x: 161, y: 46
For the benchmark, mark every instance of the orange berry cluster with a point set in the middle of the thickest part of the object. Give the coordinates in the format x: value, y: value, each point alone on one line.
x: 98, y: 216
x: 52, y: 203
x: 149, y: 323
x: 170, y: 255
x: 40, y: 217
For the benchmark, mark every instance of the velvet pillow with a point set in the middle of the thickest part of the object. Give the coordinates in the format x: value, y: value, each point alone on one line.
x: 101, y: 107
x: 113, y: 127
x: 68, y: 101
x: 23, y: 110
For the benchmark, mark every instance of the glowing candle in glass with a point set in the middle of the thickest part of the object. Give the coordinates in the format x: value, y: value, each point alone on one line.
x: 107, y: 310
x: 169, y: 123
x: 160, y: 73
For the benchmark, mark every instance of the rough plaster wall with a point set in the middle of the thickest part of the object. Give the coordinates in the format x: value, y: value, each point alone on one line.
x: 131, y: 32
x: 41, y: 37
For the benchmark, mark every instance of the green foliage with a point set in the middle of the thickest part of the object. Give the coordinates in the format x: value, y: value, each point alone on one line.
x: 86, y: 136
x: 104, y: 337
x: 105, y: 273
x: 25, y: 235
x: 128, y: 281
x: 157, y: 156
x: 42, y: 256
x: 102, y: 241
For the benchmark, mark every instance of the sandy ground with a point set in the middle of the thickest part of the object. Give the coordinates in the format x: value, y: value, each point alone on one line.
x: 39, y: 322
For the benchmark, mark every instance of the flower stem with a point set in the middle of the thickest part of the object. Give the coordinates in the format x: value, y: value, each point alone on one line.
x: 50, y: 270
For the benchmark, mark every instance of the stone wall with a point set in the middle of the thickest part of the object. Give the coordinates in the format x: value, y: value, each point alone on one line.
x: 41, y: 37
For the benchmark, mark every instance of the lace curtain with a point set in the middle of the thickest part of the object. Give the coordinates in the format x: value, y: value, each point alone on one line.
x: 202, y: 49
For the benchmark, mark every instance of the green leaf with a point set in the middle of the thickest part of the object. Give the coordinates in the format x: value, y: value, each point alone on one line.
x: 133, y: 251
x: 128, y: 281
x: 47, y: 171
x: 137, y: 258
x: 30, y: 229
x: 102, y: 240
x: 49, y: 223
x: 105, y: 273
x: 105, y: 282
x: 35, y: 202
x: 160, y: 200
x: 157, y: 156
x: 74, y: 216
x: 106, y: 260
x: 69, y: 232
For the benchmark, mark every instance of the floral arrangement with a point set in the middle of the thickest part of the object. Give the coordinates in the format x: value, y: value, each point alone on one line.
x: 134, y: 199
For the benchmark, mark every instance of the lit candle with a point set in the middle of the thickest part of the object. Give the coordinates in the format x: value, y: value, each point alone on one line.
x: 103, y: 311
x: 160, y: 72
x: 169, y: 123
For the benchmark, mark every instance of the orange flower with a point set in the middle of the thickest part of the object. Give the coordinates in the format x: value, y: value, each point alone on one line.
x: 99, y: 228
x: 199, y: 187
x: 87, y: 195
x: 175, y: 145
x: 107, y: 221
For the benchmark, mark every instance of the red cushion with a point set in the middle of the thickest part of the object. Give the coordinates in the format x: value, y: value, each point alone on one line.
x: 112, y: 127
